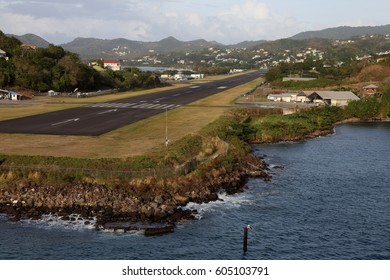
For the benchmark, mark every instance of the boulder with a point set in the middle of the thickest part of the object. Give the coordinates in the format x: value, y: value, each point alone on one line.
x: 181, y: 199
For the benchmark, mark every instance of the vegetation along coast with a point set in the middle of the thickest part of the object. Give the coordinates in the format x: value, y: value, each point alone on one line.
x: 216, y: 159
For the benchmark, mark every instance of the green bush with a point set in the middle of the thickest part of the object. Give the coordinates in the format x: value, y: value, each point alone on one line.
x: 366, y: 108
x: 385, y: 101
x: 223, y: 127
x: 289, y: 127
x: 141, y: 162
x: 184, y: 149
x: 317, y: 83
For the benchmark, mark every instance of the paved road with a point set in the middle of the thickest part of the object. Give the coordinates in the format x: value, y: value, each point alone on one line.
x: 97, y: 119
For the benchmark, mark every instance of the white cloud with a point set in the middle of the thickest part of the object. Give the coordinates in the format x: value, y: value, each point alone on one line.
x: 148, y: 20
x: 227, y: 21
x: 81, y: 27
x: 195, y: 20
x: 250, y: 10
x: 171, y: 14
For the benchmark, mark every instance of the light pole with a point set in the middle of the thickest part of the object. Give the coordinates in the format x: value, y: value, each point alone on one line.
x: 166, y: 128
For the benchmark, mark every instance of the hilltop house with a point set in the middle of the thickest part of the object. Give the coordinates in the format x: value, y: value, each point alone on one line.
x: 114, y: 65
x: 370, y: 90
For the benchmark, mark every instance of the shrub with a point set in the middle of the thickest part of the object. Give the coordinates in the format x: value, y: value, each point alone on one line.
x: 184, y: 149
x: 364, y: 109
x: 385, y: 102
x: 289, y: 127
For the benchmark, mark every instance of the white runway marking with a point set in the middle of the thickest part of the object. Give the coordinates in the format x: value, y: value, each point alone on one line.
x: 151, y: 106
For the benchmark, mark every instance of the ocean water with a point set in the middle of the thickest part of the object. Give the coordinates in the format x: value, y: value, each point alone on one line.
x: 331, y: 201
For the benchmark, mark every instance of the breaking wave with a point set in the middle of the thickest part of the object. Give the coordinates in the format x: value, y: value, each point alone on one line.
x: 224, y: 201
x: 73, y: 222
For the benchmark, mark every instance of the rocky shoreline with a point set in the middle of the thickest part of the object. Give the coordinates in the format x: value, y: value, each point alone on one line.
x: 152, y: 205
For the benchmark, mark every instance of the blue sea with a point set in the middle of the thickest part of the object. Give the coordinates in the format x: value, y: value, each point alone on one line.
x: 330, y: 201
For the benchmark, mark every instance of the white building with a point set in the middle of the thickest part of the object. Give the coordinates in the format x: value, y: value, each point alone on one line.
x: 3, y: 54
x: 114, y: 65
x: 180, y: 77
x: 197, y: 76
x: 334, y: 98
x: 282, y: 97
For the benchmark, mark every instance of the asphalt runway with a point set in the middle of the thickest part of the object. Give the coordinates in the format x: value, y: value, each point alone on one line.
x: 100, y: 118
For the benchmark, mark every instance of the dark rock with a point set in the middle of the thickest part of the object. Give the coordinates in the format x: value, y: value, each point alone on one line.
x: 278, y: 167
x: 159, y: 230
x: 15, y: 218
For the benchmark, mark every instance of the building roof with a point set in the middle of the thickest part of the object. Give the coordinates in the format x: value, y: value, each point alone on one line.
x: 281, y: 95
x: 372, y: 86
x: 337, y: 95
x: 110, y: 61
x: 286, y: 79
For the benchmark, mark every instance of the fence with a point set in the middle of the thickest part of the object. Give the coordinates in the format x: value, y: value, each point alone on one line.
x: 68, y: 173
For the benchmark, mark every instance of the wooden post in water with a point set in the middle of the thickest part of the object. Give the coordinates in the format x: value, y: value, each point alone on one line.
x: 246, y: 230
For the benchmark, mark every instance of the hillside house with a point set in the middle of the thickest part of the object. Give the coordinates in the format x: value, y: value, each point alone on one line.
x: 334, y: 98
x: 370, y: 90
x: 114, y: 65
x: 3, y: 54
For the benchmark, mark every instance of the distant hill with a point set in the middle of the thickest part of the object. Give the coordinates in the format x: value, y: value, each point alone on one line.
x: 247, y: 44
x: 31, y: 39
x: 99, y: 48
x: 344, y: 32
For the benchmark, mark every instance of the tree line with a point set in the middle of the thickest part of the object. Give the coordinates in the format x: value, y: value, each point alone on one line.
x: 53, y: 68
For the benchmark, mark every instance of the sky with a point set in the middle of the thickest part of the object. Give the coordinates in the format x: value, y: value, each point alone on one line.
x: 224, y: 21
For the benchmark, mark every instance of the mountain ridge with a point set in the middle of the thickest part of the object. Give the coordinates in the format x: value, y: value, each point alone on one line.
x: 343, y: 32
x: 121, y: 48
x: 31, y: 39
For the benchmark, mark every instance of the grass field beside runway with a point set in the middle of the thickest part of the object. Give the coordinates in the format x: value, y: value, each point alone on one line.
x: 132, y: 140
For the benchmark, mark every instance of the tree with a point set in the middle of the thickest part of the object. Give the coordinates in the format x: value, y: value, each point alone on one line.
x: 365, y: 108
x: 7, y: 73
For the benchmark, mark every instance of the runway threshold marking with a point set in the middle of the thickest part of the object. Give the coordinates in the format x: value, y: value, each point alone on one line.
x: 155, y: 105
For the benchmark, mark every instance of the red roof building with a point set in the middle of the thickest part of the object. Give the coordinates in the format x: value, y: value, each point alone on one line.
x: 114, y: 65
